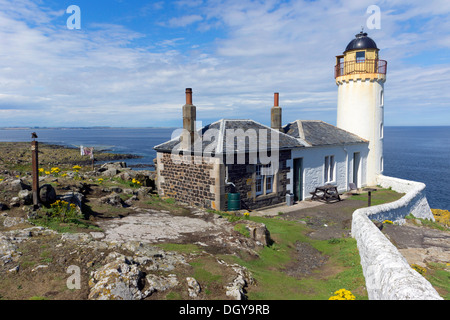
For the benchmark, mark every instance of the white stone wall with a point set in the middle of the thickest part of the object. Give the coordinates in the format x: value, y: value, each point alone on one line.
x: 414, y: 201
x: 314, y: 166
x: 387, y: 273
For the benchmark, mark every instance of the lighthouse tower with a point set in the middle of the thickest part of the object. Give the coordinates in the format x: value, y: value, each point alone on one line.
x: 360, y: 76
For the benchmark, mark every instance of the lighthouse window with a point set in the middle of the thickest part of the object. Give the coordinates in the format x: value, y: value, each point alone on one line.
x: 360, y: 56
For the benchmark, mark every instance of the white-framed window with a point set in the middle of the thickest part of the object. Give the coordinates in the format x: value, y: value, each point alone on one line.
x: 264, y: 179
x: 259, y: 180
x: 329, y: 168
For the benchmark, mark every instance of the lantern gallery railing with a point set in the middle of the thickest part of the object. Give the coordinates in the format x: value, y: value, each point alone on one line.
x: 360, y: 66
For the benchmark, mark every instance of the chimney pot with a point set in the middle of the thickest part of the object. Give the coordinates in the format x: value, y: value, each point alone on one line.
x: 276, y: 99
x: 189, y: 96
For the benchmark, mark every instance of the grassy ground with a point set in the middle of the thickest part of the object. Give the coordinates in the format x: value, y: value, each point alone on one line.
x: 341, y: 270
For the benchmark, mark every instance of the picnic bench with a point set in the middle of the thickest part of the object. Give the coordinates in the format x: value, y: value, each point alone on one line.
x: 327, y: 192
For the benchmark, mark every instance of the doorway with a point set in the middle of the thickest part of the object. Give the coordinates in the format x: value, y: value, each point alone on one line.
x: 298, y: 179
x: 356, y: 168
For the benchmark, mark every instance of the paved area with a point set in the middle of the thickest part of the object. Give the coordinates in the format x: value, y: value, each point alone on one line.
x: 275, y: 210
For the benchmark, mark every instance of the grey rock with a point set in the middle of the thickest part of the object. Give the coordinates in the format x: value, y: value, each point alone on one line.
x: 113, y: 200
x: 12, y: 221
x: 160, y: 283
x: 25, y: 197
x: 18, y: 185
x: 47, y: 194
x: 193, y: 287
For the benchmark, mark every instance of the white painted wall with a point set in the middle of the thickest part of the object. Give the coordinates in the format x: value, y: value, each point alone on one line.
x: 314, y: 166
x: 387, y: 273
x: 360, y: 110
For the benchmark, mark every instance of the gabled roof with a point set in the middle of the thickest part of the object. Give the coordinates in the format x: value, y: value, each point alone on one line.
x: 235, y: 136
x: 319, y: 133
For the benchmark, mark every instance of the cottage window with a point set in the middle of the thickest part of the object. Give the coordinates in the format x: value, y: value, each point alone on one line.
x: 329, y: 169
x: 259, y: 180
x: 263, y: 179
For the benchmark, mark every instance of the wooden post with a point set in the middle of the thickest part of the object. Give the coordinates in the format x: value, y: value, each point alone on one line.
x: 35, y: 172
x: 370, y: 199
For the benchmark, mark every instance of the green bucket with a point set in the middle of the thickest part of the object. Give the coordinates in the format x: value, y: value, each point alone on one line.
x: 234, y: 201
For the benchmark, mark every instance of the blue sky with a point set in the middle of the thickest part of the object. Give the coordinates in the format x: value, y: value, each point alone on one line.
x: 131, y: 61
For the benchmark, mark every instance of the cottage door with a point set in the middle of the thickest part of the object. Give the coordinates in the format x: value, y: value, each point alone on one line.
x: 298, y: 179
x: 356, y: 165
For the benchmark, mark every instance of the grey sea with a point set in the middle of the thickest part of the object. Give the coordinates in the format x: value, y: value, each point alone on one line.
x: 414, y: 153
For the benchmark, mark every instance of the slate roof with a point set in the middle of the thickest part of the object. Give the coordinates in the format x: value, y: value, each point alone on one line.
x: 245, y: 136
x: 319, y: 133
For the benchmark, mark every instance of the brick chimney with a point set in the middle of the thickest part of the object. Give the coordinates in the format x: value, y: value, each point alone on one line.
x: 275, y: 114
x: 189, y: 118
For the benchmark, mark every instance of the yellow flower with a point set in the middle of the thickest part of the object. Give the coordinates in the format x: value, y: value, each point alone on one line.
x: 342, y: 294
x: 1, y: 180
x: 47, y: 172
x: 64, y: 175
x: 388, y: 222
x: 41, y: 170
x: 55, y: 170
x: 76, y: 168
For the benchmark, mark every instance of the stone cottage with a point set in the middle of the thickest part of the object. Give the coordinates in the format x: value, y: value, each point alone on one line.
x: 262, y: 164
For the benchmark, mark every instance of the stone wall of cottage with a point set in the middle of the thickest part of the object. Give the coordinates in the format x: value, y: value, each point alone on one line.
x: 243, y: 177
x: 188, y: 181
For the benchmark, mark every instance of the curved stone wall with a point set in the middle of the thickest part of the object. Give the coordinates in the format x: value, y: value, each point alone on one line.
x: 387, y: 273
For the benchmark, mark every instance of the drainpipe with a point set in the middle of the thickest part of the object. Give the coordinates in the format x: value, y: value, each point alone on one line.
x: 226, y: 178
x: 346, y: 168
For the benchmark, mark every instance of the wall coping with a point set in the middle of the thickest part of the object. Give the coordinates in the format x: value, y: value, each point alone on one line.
x: 388, y: 275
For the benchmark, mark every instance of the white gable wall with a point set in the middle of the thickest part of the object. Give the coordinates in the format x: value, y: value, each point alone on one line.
x: 314, y: 166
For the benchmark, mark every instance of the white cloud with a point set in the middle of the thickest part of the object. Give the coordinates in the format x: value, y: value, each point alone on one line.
x: 104, y: 75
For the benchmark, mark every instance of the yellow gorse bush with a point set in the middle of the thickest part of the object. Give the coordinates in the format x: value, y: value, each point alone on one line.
x: 342, y: 294
x: 419, y: 269
x: 441, y: 216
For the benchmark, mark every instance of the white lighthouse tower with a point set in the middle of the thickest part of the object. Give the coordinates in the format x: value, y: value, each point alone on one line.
x: 360, y: 77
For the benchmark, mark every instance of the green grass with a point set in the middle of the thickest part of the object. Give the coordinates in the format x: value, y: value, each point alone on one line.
x: 274, y: 284
x: 242, y: 229
x: 378, y: 197
x: 427, y: 223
